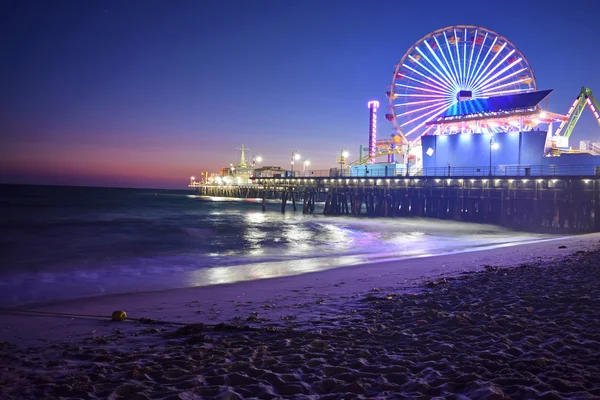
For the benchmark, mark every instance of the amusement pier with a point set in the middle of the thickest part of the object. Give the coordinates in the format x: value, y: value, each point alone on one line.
x: 472, y: 140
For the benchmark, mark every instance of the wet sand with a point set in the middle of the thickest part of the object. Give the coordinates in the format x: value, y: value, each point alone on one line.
x: 523, y: 324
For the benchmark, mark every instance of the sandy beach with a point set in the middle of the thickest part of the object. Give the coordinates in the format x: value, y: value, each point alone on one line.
x: 511, y: 322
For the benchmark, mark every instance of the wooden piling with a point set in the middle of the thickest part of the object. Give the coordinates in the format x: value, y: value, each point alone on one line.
x: 293, y: 194
x: 284, y: 195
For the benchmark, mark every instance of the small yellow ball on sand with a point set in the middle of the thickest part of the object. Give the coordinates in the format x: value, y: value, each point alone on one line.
x: 119, y: 315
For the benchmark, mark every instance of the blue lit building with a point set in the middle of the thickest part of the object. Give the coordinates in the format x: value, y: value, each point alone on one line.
x: 497, y: 136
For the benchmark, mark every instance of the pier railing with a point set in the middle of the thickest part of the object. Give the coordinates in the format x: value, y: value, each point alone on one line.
x: 498, y: 171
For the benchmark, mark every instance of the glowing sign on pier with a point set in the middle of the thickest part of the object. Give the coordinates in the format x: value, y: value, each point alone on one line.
x: 373, y: 106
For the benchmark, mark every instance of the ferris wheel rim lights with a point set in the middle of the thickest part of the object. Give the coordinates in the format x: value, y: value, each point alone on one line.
x: 455, y: 61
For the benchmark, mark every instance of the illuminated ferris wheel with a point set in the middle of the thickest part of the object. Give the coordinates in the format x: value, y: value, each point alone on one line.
x: 450, y: 65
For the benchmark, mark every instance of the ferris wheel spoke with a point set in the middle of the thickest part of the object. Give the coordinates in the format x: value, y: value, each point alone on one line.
x: 419, y: 88
x: 438, y: 80
x: 422, y: 82
x: 441, y: 74
x: 454, y: 75
x: 441, y: 85
x: 497, y: 74
x: 492, y: 85
x: 471, y: 57
x: 484, y: 79
x: 484, y: 93
x: 410, y: 103
x: 465, y: 57
x: 448, y: 74
x: 420, y: 95
x: 421, y: 109
x: 449, y: 48
x: 484, y: 72
x: 443, y: 105
x: 471, y: 75
x: 458, y: 56
x: 510, y: 91
x: 478, y: 71
x: 437, y: 112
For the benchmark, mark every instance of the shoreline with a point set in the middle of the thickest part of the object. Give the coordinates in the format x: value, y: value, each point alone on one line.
x: 342, y: 261
x: 493, y: 324
x: 273, y: 299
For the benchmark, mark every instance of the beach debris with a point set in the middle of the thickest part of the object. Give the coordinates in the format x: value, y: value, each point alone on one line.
x: 562, y: 246
x: 224, y: 327
x: 373, y: 298
x: 462, y: 319
x: 119, y: 315
x: 192, y: 329
x: 436, y: 283
x: 198, y: 339
x: 255, y: 318
x: 252, y: 318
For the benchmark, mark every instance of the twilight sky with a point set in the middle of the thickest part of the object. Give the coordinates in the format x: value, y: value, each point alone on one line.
x: 147, y: 93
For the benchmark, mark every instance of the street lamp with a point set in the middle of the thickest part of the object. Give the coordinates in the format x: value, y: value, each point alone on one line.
x: 304, y: 164
x: 295, y: 157
x: 231, y: 169
x: 256, y: 159
x: 494, y: 145
x: 192, y: 179
x: 344, y: 154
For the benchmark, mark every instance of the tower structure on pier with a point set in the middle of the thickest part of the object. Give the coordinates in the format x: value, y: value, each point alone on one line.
x: 373, y: 106
x: 242, y: 163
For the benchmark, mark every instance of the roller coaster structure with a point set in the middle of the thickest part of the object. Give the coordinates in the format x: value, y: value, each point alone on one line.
x: 585, y: 97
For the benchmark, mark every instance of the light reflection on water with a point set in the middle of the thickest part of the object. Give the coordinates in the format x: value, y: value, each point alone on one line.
x: 168, y: 242
x: 246, y: 272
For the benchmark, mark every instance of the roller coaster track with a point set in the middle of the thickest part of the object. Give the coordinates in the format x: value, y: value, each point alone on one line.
x: 585, y: 97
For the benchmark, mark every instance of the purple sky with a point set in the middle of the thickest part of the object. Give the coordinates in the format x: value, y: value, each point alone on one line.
x: 147, y: 93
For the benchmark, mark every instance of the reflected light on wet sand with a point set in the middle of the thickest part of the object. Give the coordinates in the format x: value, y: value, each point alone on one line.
x: 237, y: 273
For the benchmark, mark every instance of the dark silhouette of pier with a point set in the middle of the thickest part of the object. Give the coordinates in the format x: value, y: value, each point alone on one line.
x: 553, y: 204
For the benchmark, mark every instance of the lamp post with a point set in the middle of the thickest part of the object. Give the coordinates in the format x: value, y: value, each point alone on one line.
x: 192, y: 180
x: 295, y: 157
x: 304, y: 164
x: 493, y: 146
x: 231, y: 169
x: 343, y: 155
x: 256, y: 159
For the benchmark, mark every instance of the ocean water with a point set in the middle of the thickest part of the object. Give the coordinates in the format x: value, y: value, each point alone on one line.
x: 61, y: 243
